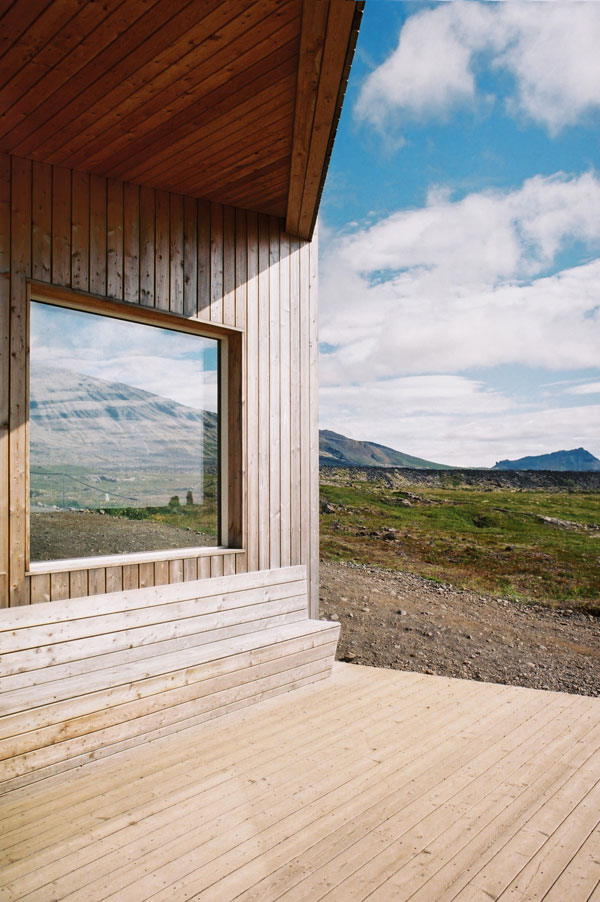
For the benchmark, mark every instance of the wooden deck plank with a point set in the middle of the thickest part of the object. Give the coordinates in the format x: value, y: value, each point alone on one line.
x: 232, y: 839
x: 229, y: 824
x: 582, y: 873
x: 400, y: 783
x: 374, y: 783
x: 326, y: 860
x: 222, y: 760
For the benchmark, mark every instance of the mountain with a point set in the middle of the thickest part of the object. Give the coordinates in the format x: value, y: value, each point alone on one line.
x: 337, y: 450
x: 577, y: 460
x: 79, y: 420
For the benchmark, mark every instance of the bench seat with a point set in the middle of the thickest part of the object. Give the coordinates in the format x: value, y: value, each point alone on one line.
x: 89, y: 677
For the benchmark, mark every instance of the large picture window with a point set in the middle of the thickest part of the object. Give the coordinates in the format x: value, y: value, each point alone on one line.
x: 124, y: 436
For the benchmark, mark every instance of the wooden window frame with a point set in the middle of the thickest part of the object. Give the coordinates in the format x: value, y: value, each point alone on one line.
x: 231, y: 439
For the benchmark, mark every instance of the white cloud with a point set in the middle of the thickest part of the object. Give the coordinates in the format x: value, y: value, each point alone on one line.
x: 452, y: 286
x: 551, y: 52
x: 470, y: 438
x: 455, y: 286
x: 587, y: 388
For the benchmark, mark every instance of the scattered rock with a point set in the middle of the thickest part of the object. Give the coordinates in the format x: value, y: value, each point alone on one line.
x: 508, y: 642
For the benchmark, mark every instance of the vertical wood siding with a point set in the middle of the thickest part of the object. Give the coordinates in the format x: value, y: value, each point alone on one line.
x: 195, y: 259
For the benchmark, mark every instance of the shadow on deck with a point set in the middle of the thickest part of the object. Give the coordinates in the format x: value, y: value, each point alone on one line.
x: 375, y: 784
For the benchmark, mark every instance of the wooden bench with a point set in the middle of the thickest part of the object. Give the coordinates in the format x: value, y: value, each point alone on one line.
x: 91, y: 676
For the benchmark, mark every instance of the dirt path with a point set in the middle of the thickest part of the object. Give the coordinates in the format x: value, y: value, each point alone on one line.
x: 402, y: 621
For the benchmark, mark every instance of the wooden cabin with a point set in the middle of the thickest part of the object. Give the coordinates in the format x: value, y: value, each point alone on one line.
x: 161, y: 163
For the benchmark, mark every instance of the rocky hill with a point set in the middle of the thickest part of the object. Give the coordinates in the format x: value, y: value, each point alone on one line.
x: 337, y: 450
x: 576, y: 461
x: 401, y: 477
x: 79, y: 420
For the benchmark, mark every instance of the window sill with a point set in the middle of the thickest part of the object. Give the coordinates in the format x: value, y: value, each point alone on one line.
x: 120, y: 560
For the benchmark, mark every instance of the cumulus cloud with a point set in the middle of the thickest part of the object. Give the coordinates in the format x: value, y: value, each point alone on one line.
x: 552, y: 55
x: 412, y: 302
x: 466, y: 284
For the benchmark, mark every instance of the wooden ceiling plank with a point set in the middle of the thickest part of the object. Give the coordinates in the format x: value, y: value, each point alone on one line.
x: 144, y: 86
x: 76, y: 58
x: 181, y: 97
x: 227, y: 97
x: 226, y: 127
x: 339, y: 28
x: 314, y: 23
x: 268, y: 170
x: 262, y: 185
x: 241, y: 165
x: 100, y: 76
x: 29, y: 51
x: 35, y: 66
x: 206, y: 159
x: 17, y: 19
x: 35, y: 38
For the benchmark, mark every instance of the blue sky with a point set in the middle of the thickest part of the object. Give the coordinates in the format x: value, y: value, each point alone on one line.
x: 460, y: 232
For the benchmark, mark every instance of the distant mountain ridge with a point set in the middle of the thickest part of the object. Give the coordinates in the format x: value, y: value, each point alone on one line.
x: 337, y: 450
x: 77, y: 419
x: 577, y: 460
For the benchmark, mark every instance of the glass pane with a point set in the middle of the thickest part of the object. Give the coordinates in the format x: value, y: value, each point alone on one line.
x: 123, y: 436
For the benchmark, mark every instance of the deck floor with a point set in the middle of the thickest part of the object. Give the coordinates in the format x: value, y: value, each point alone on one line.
x: 375, y: 785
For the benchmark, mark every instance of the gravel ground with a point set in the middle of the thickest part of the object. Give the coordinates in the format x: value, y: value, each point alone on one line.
x: 405, y: 622
x: 67, y: 534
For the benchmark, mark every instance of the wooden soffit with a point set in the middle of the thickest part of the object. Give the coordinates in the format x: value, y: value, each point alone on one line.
x: 232, y: 100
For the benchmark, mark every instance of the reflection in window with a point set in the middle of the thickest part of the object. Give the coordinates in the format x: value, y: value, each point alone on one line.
x: 123, y: 436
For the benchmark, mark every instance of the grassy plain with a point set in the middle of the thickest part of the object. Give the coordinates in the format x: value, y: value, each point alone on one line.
x: 489, y: 540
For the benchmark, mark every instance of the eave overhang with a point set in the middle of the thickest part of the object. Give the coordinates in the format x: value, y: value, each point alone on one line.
x: 236, y: 101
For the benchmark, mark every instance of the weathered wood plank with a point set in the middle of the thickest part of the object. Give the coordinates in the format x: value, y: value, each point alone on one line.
x: 295, y: 408
x: 20, y: 270
x: 161, y: 251
x: 80, y: 231
x: 216, y: 263
x: 251, y: 538
x: 5, y: 297
x: 131, y: 244
x: 263, y: 406
x: 274, y: 396
x: 190, y: 256
x: 176, y: 253
x: 305, y: 417
x: 176, y: 571
x: 61, y: 226
x: 115, y: 248
x: 204, y: 259
x: 41, y: 237
x: 98, y: 190
x: 313, y: 440
x: 147, y: 233
x: 284, y: 400
x: 229, y: 275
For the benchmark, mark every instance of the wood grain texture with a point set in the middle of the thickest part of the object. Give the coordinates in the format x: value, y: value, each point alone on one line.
x: 5, y: 269
x: 82, y: 683
x: 236, y: 101
x: 450, y: 789
x: 20, y: 271
x: 211, y: 264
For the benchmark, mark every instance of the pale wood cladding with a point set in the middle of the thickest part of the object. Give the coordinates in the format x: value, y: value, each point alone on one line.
x: 190, y: 97
x: 197, y: 261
